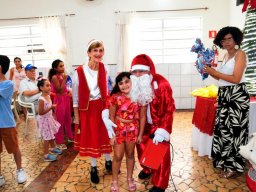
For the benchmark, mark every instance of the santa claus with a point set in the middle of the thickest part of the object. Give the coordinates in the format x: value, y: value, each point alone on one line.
x: 152, y: 89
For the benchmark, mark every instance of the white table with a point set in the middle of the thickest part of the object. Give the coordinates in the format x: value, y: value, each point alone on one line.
x: 202, y: 142
x: 252, y: 118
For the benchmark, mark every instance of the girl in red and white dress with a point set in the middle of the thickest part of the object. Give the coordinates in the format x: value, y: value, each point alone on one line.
x: 130, y: 119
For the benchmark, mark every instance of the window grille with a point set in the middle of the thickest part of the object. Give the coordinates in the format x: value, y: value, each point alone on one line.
x: 25, y: 41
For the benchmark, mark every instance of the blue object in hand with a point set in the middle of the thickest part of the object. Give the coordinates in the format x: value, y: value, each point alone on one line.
x: 204, y: 57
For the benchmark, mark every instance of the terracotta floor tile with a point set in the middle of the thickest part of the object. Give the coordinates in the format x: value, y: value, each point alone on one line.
x: 218, y: 183
x: 189, y: 190
x: 202, y: 188
x: 195, y: 184
x: 222, y: 189
x: 231, y: 185
x: 183, y: 186
x: 210, y: 186
x: 70, y: 173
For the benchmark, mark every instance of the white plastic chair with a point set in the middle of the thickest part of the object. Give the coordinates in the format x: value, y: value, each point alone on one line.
x: 14, y: 105
x: 31, y: 113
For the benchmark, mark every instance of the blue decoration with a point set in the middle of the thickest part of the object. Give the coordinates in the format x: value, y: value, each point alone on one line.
x: 69, y: 82
x: 204, y: 57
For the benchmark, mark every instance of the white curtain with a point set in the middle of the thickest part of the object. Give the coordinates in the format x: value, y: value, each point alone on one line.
x: 54, y: 33
x: 124, y: 30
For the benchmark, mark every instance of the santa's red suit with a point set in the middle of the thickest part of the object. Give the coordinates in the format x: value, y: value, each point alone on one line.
x: 160, y: 119
x: 89, y: 95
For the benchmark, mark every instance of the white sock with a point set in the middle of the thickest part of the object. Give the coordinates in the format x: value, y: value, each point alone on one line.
x: 107, y: 157
x: 93, y: 162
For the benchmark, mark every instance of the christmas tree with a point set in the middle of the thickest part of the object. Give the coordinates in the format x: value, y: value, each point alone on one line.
x: 249, y: 46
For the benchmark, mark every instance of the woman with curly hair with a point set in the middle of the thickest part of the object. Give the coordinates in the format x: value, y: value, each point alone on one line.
x: 232, y: 115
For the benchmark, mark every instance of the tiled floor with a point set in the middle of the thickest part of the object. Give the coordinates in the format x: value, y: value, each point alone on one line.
x: 71, y: 172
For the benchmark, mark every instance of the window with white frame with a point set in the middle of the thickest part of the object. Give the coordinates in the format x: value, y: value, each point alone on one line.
x: 25, y: 41
x: 167, y: 40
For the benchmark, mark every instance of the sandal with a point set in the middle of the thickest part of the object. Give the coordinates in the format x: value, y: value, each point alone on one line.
x: 131, y: 184
x: 114, y: 186
x: 229, y: 174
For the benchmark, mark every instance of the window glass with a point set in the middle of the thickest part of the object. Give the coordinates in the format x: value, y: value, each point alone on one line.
x: 167, y: 40
x: 25, y: 41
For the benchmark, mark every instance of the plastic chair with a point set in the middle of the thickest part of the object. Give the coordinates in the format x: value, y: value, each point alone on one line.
x: 14, y: 106
x: 31, y: 113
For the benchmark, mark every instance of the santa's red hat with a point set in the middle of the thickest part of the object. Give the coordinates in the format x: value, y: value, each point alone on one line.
x: 143, y: 62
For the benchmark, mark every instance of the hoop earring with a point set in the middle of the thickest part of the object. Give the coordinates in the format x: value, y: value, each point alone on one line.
x: 237, y: 47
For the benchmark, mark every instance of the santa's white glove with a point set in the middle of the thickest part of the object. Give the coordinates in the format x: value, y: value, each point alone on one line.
x: 108, y: 123
x: 161, y: 135
x: 158, y: 138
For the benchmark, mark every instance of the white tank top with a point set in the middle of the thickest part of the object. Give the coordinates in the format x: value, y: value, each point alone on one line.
x: 228, y: 69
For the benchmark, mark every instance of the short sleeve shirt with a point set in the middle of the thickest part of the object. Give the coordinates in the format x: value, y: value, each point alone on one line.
x: 6, y: 115
x: 126, y: 109
x: 28, y: 85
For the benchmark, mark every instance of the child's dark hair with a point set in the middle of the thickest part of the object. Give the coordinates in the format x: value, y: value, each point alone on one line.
x: 4, y: 63
x: 40, y: 83
x: 53, y: 71
x: 119, y: 78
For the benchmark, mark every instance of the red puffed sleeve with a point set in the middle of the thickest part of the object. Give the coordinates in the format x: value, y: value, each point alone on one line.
x: 112, y: 100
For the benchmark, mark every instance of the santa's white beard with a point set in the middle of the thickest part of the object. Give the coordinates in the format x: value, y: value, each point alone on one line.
x: 141, y: 91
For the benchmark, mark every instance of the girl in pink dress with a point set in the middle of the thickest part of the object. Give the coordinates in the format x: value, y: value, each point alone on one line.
x: 130, y: 119
x: 46, y: 123
x: 62, y: 98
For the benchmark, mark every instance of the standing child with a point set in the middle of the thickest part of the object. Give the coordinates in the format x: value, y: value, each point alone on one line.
x: 130, y: 119
x: 46, y: 123
x: 8, y: 132
x: 58, y: 79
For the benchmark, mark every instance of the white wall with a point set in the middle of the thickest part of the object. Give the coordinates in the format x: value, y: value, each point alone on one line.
x: 236, y: 17
x: 97, y: 20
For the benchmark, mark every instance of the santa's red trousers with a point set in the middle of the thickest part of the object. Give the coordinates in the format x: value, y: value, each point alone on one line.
x: 160, y: 177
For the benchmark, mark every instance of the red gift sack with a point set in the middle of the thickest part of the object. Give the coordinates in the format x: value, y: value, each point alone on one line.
x: 153, y: 154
